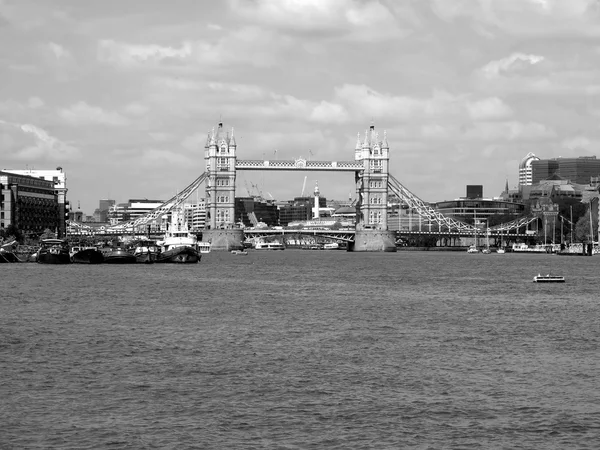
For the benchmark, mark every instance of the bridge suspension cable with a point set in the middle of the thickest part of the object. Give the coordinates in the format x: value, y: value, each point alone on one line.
x: 426, y: 211
x: 161, y: 210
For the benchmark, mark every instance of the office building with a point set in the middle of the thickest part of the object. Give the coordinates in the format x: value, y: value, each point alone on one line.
x: 30, y: 203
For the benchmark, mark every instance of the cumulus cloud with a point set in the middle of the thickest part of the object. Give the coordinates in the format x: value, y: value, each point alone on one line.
x: 83, y: 114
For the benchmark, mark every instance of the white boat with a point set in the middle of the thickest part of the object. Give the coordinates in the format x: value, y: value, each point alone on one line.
x: 269, y: 246
x: 203, y: 247
x: 331, y: 246
x: 500, y: 251
x: 548, y: 279
x: 486, y: 251
x: 239, y: 252
x: 473, y: 249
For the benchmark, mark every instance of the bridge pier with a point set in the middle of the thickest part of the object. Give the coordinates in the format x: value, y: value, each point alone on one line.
x: 374, y: 241
x: 224, y: 240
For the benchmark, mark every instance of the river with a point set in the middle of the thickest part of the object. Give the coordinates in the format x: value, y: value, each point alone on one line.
x: 302, y: 350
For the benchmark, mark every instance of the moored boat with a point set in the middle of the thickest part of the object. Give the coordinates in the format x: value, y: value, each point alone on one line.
x: 269, y: 246
x: 54, y: 251
x: 239, y: 252
x: 8, y: 256
x: 86, y: 255
x: 146, y: 251
x: 180, y: 247
x: 117, y: 255
x: 548, y: 279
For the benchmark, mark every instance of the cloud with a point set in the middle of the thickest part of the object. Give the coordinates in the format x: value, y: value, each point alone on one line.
x: 514, y: 62
x: 41, y: 147
x: 83, y: 114
x: 113, y: 52
x: 488, y: 108
x: 347, y: 19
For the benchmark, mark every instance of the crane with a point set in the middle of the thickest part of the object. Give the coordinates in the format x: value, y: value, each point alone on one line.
x: 303, y: 186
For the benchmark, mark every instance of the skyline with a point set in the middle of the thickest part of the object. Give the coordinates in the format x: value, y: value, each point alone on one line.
x: 122, y: 95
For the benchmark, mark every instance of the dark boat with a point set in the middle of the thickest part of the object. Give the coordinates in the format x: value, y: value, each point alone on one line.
x: 86, y: 255
x: 54, y: 251
x: 179, y: 255
x: 8, y: 257
x: 117, y: 255
x: 145, y: 251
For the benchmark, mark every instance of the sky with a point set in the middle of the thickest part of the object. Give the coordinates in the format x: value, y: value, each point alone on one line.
x: 122, y: 93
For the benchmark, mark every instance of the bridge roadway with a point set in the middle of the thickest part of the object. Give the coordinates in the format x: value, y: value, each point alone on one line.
x: 348, y: 235
x: 299, y: 164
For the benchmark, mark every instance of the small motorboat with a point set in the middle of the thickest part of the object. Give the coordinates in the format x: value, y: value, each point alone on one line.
x: 239, y: 252
x: 548, y: 279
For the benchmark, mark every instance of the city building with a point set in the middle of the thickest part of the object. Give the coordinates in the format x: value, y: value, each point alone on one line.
x: 525, y: 170
x: 467, y: 209
x: 58, y: 179
x: 577, y: 170
x: 29, y: 203
x: 474, y: 191
x: 251, y: 211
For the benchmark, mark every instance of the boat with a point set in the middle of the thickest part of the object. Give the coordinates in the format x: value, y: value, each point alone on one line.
x: 269, y: 246
x: 146, y: 251
x: 548, y: 279
x: 54, y: 251
x: 500, y: 251
x: 86, y: 255
x: 331, y: 246
x: 203, y: 247
x: 7, y: 256
x: 118, y: 255
x: 239, y: 252
x: 178, y: 246
x: 472, y: 249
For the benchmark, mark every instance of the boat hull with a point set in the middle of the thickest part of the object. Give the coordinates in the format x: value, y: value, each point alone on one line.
x: 8, y: 257
x: 54, y: 258
x: 179, y: 255
x: 88, y: 256
x: 119, y: 256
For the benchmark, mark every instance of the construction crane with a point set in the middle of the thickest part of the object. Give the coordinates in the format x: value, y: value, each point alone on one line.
x: 303, y: 186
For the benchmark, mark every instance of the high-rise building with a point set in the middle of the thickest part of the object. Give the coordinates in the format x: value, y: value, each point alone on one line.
x: 525, y: 170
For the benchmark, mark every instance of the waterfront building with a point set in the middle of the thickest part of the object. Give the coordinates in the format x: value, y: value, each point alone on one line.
x: 58, y: 178
x: 299, y: 209
x: 467, y: 209
x: 30, y: 203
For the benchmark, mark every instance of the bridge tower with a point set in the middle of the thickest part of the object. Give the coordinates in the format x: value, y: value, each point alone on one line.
x: 372, y: 182
x: 372, y: 193
x: 220, y: 157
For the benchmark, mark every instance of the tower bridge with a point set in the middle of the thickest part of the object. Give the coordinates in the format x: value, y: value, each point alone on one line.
x: 372, y: 180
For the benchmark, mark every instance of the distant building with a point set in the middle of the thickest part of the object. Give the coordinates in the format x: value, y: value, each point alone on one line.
x: 474, y: 191
x: 251, y: 211
x: 576, y: 170
x: 299, y: 209
x: 58, y: 178
x: 30, y: 203
x: 480, y: 208
x: 525, y: 170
